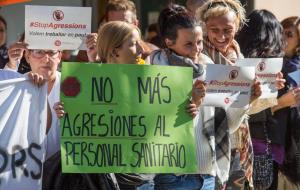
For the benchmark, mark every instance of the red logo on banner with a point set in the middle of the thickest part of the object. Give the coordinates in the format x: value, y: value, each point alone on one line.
x: 71, y: 87
x: 233, y: 74
x: 261, y: 66
x: 58, y: 15
x: 57, y: 43
x: 226, y: 100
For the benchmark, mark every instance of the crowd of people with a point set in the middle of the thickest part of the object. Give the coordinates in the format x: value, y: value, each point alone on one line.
x: 241, y: 143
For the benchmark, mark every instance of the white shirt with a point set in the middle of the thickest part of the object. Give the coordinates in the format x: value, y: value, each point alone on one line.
x: 53, y: 136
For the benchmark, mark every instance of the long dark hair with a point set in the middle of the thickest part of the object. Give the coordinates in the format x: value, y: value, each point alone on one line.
x: 173, y: 18
x: 262, y: 36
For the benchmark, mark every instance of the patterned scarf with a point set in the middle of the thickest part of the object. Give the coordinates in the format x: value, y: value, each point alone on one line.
x: 245, y: 149
x: 217, y: 132
x: 233, y: 53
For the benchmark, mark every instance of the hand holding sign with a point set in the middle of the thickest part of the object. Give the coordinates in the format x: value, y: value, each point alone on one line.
x: 280, y: 81
x: 255, y: 90
x: 91, y: 42
x: 15, y: 53
x: 36, y: 79
x: 192, y: 109
x: 198, y: 92
x: 59, y: 109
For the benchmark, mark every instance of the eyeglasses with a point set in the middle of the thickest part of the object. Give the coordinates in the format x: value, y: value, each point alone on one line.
x: 41, y: 53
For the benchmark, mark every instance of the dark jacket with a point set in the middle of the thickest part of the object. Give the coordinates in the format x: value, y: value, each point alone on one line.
x: 276, y: 124
x: 54, y: 179
x: 291, y: 164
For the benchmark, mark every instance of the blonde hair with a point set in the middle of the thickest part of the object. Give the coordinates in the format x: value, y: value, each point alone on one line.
x: 214, y: 8
x: 112, y: 35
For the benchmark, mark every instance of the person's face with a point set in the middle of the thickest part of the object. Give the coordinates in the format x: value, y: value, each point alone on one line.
x: 2, y: 33
x: 44, y: 62
x: 188, y: 43
x: 221, y: 30
x: 126, y: 16
x: 130, y: 51
x: 293, y: 40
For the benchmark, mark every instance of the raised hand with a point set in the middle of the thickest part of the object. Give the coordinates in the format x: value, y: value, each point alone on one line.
x: 91, y: 44
x: 198, y: 92
x: 59, y: 109
x: 255, y: 91
x: 15, y: 54
x: 280, y: 81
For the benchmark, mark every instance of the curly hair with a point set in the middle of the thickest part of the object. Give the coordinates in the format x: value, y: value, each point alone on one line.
x: 214, y: 8
x: 262, y: 36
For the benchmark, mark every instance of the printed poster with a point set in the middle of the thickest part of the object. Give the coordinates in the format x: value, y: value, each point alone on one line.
x: 55, y: 27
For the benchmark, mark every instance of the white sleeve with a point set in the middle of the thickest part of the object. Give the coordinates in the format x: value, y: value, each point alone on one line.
x: 259, y: 105
x: 235, y: 117
x: 10, y: 69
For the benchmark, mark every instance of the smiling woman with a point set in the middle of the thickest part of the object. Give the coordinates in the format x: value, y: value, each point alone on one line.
x: 222, y: 18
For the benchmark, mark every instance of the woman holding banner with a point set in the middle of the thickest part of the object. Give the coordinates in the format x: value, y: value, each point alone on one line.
x: 44, y: 64
x: 182, y: 38
x: 222, y: 20
x: 120, y: 43
x: 262, y: 37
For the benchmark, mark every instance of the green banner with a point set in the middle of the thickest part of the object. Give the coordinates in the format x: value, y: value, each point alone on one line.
x: 126, y: 119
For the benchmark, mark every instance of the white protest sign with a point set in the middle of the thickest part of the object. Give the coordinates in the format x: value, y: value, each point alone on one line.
x: 228, y: 86
x: 53, y: 27
x: 266, y: 72
x: 295, y: 76
x: 23, y: 114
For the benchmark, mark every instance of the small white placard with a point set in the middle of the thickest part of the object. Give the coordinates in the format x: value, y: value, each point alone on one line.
x: 56, y: 27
